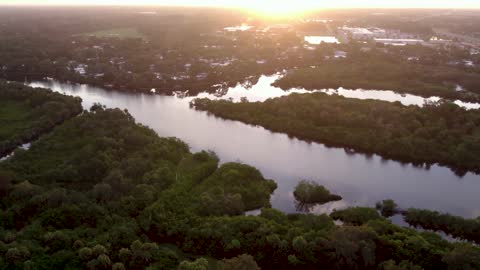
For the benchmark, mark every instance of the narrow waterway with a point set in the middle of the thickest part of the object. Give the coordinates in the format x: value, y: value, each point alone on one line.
x: 24, y: 146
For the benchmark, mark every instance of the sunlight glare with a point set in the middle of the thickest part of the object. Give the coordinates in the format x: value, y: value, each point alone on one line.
x: 280, y: 8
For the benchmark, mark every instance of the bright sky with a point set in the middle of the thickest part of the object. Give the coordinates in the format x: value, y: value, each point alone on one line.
x: 272, y: 7
x: 271, y: 3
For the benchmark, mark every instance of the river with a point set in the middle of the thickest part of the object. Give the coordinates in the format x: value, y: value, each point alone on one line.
x: 359, y: 179
x: 24, y: 146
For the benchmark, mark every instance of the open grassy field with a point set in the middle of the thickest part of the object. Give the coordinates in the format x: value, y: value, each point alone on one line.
x: 122, y: 33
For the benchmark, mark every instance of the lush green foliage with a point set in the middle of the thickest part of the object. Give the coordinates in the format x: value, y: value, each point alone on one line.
x: 102, y: 145
x: 443, y: 133
x: 467, y: 229
x: 356, y: 215
x: 102, y: 192
x: 71, y: 200
x: 388, y: 208
x: 27, y: 113
x: 235, y: 187
x: 242, y: 262
x: 378, y: 72
x: 311, y: 192
x: 199, y: 264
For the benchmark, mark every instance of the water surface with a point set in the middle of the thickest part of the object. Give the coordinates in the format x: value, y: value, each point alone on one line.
x: 317, y: 40
x: 264, y: 90
x: 24, y: 146
x: 359, y: 179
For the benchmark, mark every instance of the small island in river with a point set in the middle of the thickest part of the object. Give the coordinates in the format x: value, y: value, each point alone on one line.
x: 309, y: 192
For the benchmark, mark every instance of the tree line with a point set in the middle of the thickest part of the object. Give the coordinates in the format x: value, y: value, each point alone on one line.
x: 374, y: 71
x: 440, y: 132
x: 27, y: 113
x: 104, y: 192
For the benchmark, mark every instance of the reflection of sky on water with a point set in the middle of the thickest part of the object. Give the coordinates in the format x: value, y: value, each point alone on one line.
x: 263, y: 90
x: 317, y: 40
x: 24, y: 146
x: 359, y: 179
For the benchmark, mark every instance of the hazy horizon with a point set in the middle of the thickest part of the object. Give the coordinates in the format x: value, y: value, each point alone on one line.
x: 300, y: 4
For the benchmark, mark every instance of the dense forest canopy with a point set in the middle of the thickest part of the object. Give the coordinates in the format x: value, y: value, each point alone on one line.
x: 174, y: 50
x: 467, y: 229
x: 25, y: 113
x: 102, y: 167
x: 103, y: 192
x: 373, y: 71
x: 97, y: 190
x: 435, y: 133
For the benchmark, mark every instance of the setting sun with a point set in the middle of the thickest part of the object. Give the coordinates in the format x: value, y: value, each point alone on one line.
x: 282, y: 8
x: 239, y: 134
x: 263, y: 7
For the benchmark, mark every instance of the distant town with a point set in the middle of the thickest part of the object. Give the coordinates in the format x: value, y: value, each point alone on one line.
x: 194, y: 57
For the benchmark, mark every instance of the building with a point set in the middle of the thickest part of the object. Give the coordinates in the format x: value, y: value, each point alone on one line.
x: 372, y: 33
x: 359, y: 33
x: 399, y: 41
x: 239, y: 28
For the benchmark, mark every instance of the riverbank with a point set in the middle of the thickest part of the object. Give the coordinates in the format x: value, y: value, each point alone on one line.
x: 438, y: 133
x: 102, y: 190
x: 368, y: 179
x: 402, y: 77
x: 26, y: 114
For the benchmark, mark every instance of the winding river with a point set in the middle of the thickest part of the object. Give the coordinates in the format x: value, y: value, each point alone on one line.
x: 359, y: 179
